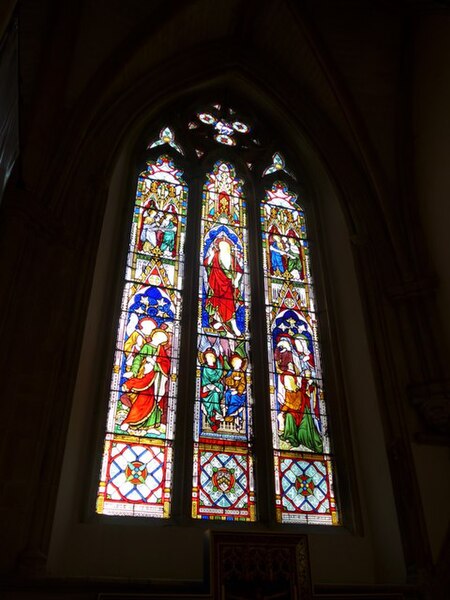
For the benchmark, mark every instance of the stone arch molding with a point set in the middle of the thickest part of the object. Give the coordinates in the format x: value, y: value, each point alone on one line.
x: 105, y: 122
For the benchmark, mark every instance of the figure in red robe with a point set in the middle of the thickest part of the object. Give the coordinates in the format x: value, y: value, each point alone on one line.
x: 146, y: 388
x: 223, y: 296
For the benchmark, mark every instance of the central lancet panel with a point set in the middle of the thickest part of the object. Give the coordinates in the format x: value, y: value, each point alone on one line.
x: 223, y: 482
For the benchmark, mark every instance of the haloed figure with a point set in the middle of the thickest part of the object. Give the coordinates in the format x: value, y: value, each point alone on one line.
x: 223, y: 275
x: 235, y: 395
x: 149, y: 232
x: 169, y: 227
x: 212, y: 388
x: 299, y: 428
x: 146, y: 385
x: 277, y: 255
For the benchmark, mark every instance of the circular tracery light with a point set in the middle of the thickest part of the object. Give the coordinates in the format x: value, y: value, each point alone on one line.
x: 241, y: 127
x: 225, y: 139
x: 206, y: 118
x: 225, y: 129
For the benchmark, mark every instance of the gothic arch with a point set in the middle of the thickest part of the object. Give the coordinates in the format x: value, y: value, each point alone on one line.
x: 105, y: 159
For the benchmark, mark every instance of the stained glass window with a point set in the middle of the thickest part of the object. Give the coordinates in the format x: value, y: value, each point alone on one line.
x: 139, y: 449
x: 303, y: 464
x: 136, y: 475
x: 223, y: 473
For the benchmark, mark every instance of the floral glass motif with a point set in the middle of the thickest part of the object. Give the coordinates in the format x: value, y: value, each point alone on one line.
x: 136, y: 473
x: 225, y: 128
x: 303, y: 464
x: 277, y: 165
x: 223, y: 486
x: 166, y: 136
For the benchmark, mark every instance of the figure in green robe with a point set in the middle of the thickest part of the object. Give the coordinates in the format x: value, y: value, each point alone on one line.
x: 212, y: 388
x: 299, y: 426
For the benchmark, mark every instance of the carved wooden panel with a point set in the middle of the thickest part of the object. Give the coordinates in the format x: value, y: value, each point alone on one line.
x: 260, y: 566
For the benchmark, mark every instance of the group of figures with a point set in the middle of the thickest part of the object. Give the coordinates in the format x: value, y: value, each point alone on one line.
x: 297, y: 391
x: 223, y: 460
x: 148, y: 323
x: 297, y: 395
x: 158, y: 231
x: 222, y: 340
x: 160, y: 210
x: 146, y: 364
x: 286, y: 256
x: 146, y: 377
x: 136, y: 469
x: 223, y: 391
x: 136, y: 475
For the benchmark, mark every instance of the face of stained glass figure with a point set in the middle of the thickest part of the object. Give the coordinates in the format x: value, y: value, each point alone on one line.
x: 210, y: 358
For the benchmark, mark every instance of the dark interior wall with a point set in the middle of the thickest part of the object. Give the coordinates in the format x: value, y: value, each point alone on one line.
x: 359, y: 90
x: 431, y: 133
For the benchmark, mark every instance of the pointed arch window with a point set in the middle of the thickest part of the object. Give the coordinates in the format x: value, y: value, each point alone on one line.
x: 237, y: 257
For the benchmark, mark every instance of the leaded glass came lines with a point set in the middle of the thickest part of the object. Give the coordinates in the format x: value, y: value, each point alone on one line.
x: 303, y: 465
x: 136, y: 474
x: 223, y: 486
x: 139, y: 444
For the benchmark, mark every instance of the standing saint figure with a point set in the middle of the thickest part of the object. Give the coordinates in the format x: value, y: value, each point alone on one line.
x: 295, y: 262
x: 138, y: 336
x: 224, y: 274
x: 150, y: 228
x: 169, y: 229
x: 211, y: 395
x: 146, y: 385
x: 277, y: 255
x: 296, y: 394
x: 299, y: 426
x: 235, y: 395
